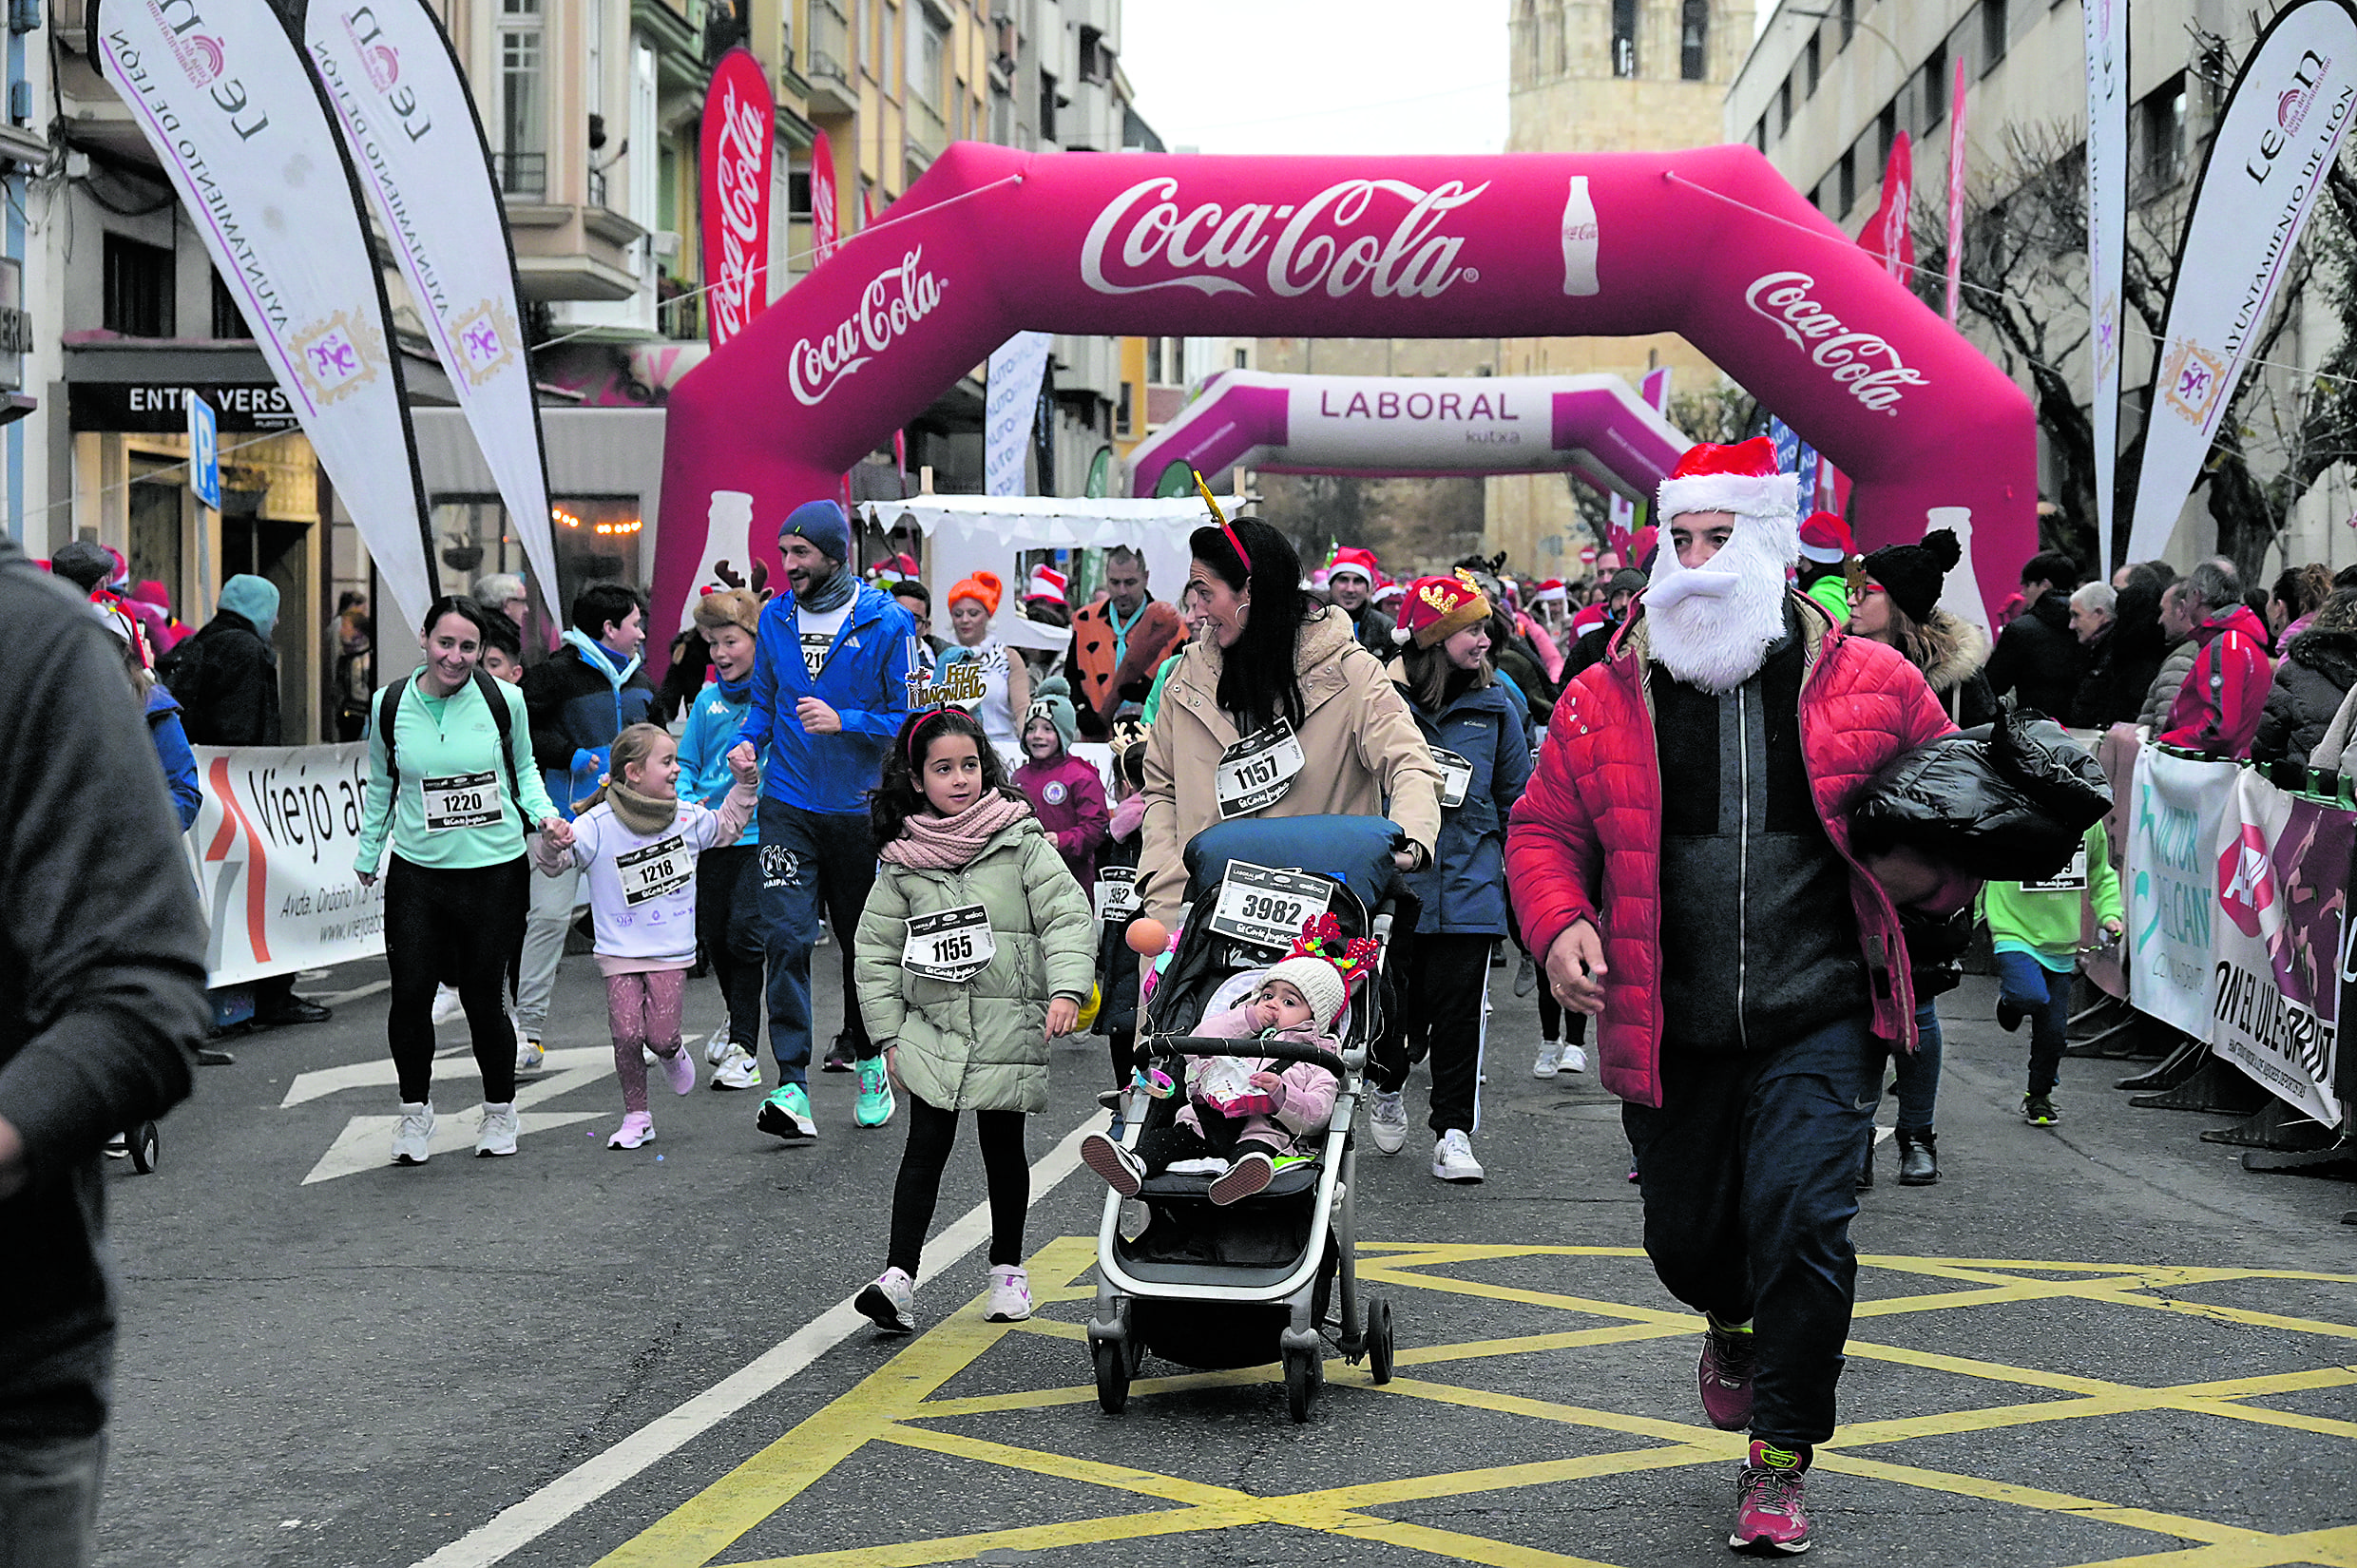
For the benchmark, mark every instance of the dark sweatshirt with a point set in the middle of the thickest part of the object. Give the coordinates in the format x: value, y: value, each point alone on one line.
x: 102, y: 986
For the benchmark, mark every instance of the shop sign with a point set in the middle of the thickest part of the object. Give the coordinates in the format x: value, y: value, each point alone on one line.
x: 152, y: 407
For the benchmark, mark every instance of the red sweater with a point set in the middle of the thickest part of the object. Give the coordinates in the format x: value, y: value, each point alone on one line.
x: 1069, y: 798
x: 2217, y: 708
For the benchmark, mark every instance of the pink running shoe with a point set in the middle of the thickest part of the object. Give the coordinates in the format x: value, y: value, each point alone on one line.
x: 1772, y: 1514
x: 1725, y: 1374
x: 679, y: 1069
x: 636, y: 1127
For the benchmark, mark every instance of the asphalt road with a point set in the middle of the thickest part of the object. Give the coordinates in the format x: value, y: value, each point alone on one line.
x: 2079, y: 1348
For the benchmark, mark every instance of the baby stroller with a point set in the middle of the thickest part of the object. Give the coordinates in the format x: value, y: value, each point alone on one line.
x: 1215, y: 1287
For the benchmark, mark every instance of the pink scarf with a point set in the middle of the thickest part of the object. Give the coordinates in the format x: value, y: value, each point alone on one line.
x: 948, y: 843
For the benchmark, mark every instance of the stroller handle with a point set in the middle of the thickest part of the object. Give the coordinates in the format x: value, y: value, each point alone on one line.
x: 1276, y: 1050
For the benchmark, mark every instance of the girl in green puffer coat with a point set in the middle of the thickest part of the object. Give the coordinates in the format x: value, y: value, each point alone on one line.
x: 975, y: 949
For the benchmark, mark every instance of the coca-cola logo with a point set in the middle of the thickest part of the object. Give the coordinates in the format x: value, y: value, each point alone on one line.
x: 1143, y: 241
x: 1863, y: 363
x: 891, y: 304
x: 741, y: 189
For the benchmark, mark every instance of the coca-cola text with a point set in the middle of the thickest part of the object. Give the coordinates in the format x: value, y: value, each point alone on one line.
x: 891, y: 304
x: 1142, y: 230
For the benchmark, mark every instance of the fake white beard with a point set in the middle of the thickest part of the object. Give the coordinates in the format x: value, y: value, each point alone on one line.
x: 1712, y: 626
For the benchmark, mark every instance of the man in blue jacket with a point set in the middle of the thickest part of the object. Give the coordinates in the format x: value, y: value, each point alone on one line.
x: 830, y: 691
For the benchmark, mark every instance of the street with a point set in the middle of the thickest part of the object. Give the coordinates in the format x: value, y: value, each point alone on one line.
x: 2101, y: 1343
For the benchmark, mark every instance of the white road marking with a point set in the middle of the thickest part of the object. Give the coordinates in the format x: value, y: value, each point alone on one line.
x: 364, y: 1143
x: 336, y: 999
x: 526, y: 1521
x: 378, y: 1073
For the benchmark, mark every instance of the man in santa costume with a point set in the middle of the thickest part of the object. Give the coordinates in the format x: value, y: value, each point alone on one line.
x: 1351, y: 580
x: 1682, y: 859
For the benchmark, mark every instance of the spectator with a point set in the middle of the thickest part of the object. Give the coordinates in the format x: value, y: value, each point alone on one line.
x: 1619, y: 593
x: 1823, y: 576
x: 154, y: 595
x: 1351, y: 580
x: 1899, y: 606
x: 163, y: 726
x: 2311, y: 680
x: 2293, y: 602
x: 689, y: 669
x: 2037, y: 659
x: 1123, y: 639
x: 917, y: 599
x: 355, y: 644
x: 2126, y: 658
x: 504, y: 594
x: 2216, y: 711
x: 2093, y: 609
x: 102, y: 995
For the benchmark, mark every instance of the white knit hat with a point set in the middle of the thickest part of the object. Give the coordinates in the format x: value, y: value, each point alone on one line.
x: 1319, y: 983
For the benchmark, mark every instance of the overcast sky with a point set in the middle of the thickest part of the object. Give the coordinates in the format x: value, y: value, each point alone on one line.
x: 1320, y: 76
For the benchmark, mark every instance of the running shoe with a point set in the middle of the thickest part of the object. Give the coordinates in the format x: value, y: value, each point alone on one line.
x: 496, y: 1133
x: 873, y: 1105
x: 2038, y: 1110
x: 1010, y: 1295
x: 890, y: 1302
x: 679, y: 1069
x: 2010, y: 1014
x: 838, y: 1058
x: 529, y: 1057
x: 1573, y: 1059
x: 636, y: 1127
x: 1525, y: 976
x: 1387, y: 1121
x: 1123, y: 1171
x: 737, y: 1070
x: 1772, y: 1513
x: 445, y: 1004
x: 1452, y: 1157
x: 787, y: 1114
x: 1725, y: 1375
x: 1550, y: 1056
x: 410, y: 1139
x: 1248, y: 1176
x: 718, y: 1046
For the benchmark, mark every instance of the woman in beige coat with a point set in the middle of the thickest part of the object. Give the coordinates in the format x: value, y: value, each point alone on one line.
x: 1279, y: 688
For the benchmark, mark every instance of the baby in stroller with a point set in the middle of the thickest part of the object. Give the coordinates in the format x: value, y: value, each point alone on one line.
x: 1244, y: 1115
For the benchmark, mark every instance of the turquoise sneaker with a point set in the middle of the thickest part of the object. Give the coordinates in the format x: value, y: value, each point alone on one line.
x: 787, y: 1114
x: 874, y: 1105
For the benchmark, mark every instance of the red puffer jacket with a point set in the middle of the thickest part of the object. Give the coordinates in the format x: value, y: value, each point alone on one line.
x: 1587, y: 832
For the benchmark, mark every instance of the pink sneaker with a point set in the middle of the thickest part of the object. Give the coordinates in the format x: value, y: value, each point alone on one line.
x: 636, y: 1127
x: 1725, y: 1374
x: 1771, y: 1514
x: 679, y: 1069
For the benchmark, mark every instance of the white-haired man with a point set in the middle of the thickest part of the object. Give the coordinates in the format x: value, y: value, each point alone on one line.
x: 1682, y: 859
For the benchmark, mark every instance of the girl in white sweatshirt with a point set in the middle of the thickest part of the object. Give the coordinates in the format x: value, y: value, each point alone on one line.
x: 639, y: 841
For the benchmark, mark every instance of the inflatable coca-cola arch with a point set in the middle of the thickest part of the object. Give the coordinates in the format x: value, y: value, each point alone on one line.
x: 1712, y: 244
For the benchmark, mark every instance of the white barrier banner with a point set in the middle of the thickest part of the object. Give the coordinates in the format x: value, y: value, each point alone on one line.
x: 2281, y: 868
x: 1010, y: 406
x: 2173, y: 885
x: 273, y: 847
x: 2107, y: 231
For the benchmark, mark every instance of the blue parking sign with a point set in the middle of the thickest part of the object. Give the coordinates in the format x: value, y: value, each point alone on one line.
x: 204, y: 450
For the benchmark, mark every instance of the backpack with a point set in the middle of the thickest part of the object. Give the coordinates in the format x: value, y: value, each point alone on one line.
x: 493, y: 698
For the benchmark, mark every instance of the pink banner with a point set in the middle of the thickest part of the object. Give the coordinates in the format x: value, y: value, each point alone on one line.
x: 825, y: 215
x: 1955, y: 186
x: 740, y: 123
x: 1889, y: 235
x: 1711, y: 244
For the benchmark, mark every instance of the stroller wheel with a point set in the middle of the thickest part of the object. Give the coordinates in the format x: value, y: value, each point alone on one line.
x: 1113, y: 1366
x: 1379, y: 1341
x: 1301, y: 1380
x: 145, y: 1147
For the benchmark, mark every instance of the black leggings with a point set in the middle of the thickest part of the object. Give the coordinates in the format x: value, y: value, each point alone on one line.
x: 464, y: 922
x: 1552, y: 1016
x: 931, y: 1129
x: 728, y: 924
x: 1440, y: 993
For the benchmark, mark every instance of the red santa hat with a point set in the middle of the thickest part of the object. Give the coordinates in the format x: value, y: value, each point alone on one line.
x: 1386, y: 592
x: 1552, y: 592
x: 1439, y: 608
x: 1825, y: 539
x: 1047, y: 583
x: 1742, y: 479
x: 1352, y: 559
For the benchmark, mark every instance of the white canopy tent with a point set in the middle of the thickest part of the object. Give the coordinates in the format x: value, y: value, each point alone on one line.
x: 968, y: 533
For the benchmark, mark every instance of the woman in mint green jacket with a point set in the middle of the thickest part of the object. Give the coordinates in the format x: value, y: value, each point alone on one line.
x: 453, y: 786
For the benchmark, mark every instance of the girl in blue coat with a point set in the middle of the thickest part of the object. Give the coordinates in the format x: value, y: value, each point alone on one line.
x: 1477, y: 734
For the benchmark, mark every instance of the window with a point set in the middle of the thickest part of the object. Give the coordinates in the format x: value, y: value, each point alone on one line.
x: 229, y: 320
x: 1932, y: 93
x: 1047, y: 108
x: 1176, y: 363
x: 1123, y: 411
x: 1784, y: 105
x: 1096, y: 60
x: 799, y: 196
x: 137, y: 289
x: 1886, y: 133
x: 1809, y: 66
x: 933, y: 59
x: 1243, y: 359
x: 1153, y: 361
x: 1992, y: 34
x: 1693, y: 32
x: 1846, y: 183
x: 1002, y: 116
x: 1759, y: 134
x: 2157, y: 132
x: 1625, y: 38
x: 1816, y: 196
x: 523, y: 100
x: 1848, y: 14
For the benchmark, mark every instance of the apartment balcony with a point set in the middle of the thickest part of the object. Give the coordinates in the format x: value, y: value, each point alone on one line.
x: 834, y: 82
x: 923, y: 132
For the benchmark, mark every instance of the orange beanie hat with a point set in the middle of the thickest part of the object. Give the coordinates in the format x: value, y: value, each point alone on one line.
x: 981, y: 586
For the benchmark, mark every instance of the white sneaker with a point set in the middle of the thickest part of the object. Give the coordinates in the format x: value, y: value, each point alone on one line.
x: 496, y: 1133
x: 890, y: 1302
x: 410, y: 1139
x: 646, y: 1054
x: 1573, y: 1059
x: 1548, y: 1053
x: 447, y: 1005
x: 1010, y: 1295
x: 737, y: 1070
x: 1452, y: 1157
x: 718, y: 1047
x: 1387, y: 1121
x: 528, y: 1055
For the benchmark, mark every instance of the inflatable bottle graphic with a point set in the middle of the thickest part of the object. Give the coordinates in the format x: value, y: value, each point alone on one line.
x: 1961, y: 594
x: 1580, y: 239
x: 727, y: 559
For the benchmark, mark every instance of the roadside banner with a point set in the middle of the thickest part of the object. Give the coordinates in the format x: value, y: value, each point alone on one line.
x: 2276, y: 138
x: 249, y: 142
x: 1888, y: 233
x: 1010, y: 403
x: 1955, y: 186
x: 2282, y: 876
x: 825, y: 215
x: 409, y: 122
x: 740, y: 127
x: 273, y: 850
x: 2107, y: 232
x: 2173, y: 885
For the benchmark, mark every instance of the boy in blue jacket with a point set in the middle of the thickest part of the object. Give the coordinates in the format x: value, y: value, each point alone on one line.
x: 728, y: 877
x: 830, y: 690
